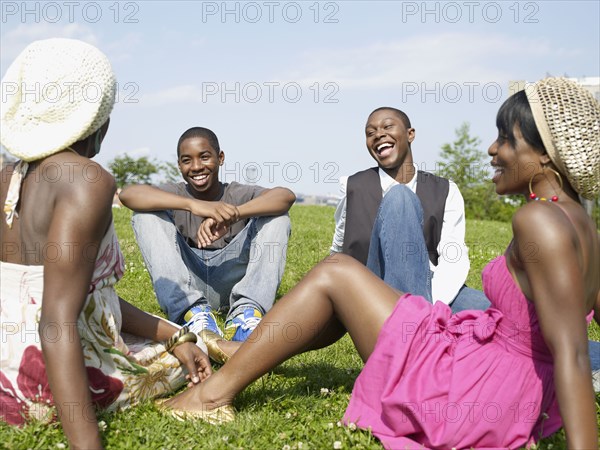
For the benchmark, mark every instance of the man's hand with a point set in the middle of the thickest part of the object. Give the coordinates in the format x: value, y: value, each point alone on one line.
x: 219, y: 216
x: 221, y: 212
x: 209, y: 231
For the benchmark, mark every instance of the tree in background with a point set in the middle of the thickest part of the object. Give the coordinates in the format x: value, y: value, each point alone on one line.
x: 464, y: 163
x: 128, y: 170
x: 170, y: 172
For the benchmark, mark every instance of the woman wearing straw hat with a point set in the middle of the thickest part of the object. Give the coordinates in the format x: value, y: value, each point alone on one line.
x: 500, y: 378
x: 61, y: 320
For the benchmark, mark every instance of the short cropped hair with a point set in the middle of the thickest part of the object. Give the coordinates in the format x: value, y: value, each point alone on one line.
x: 401, y: 114
x: 199, y: 132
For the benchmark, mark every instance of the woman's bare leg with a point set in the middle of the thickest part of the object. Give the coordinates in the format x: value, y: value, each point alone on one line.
x: 339, y: 294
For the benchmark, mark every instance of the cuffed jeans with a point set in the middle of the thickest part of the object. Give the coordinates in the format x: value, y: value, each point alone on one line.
x: 244, y: 274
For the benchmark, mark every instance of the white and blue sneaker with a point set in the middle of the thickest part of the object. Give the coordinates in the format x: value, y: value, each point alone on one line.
x: 241, y: 326
x: 201, y: 317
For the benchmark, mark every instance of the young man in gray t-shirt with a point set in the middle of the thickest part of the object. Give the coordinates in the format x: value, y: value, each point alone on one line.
x: 210, y: 245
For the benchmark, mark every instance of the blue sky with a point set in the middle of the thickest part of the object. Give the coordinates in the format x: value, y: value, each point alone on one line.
x: 287, y: 86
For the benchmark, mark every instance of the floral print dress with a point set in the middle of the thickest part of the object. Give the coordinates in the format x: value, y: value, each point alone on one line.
x: 122, y: 369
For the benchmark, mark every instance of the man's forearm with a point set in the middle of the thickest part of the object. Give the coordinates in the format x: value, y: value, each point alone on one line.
x: 274, y: 202
x: 149, y: 198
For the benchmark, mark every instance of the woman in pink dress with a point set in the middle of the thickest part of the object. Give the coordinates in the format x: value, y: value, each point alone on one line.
x: 500, y: 378
x: 69, y: 343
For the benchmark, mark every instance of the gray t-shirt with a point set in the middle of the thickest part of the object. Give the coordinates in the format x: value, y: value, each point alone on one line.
x: 187, y: 223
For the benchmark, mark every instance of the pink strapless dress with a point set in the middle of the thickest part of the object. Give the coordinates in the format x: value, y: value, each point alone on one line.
x: 476, y: 379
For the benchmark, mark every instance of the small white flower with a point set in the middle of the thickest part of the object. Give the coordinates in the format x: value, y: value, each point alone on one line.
x: 352, y: 426
x: 61, y: 445
x: 324, y: 391
x: 286, y: 447
x: 288, y: 415
x: 330, y: 425
x: 339, y: 424
x: 102, y: 425
x: 300, y: 445
x: 225, y: 438
x: 337, y: 445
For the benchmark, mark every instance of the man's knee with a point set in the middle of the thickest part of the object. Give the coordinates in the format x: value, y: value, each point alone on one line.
x: 400, y: 196
x: 141, y: 220
x: 279, y: 224
x: 269, y: 237
x: 401, y: 214
x: 401, y: 204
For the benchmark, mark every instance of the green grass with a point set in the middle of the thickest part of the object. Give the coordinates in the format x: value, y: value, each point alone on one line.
x: 299, y: 404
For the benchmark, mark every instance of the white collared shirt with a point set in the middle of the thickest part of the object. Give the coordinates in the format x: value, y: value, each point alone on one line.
x: 453, y: 263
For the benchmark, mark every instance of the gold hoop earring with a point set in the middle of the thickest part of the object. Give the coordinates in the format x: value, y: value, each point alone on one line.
x: 533, y: 195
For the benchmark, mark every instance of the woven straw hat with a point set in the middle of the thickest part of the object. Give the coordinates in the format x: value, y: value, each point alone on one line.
x: 57, y: 92
x: 567, y: 117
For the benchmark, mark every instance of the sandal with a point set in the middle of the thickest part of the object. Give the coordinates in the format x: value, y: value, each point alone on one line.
x: 214, y: 351
x: 216, y: 416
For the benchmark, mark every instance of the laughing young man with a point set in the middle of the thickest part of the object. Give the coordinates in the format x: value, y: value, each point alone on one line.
x: 210, y: 245
x: 423, y: 227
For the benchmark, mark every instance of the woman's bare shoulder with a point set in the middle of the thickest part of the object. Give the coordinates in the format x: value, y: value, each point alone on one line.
x: 77, y: 176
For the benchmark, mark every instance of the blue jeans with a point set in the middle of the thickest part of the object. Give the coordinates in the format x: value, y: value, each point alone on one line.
x: 244, y: 274
x: 397, y: 252
x: 594, y: 351
x: 398, y: 255
x: 469, y: 298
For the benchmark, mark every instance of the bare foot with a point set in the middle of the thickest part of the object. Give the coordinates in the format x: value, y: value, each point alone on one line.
x: 197, y: 398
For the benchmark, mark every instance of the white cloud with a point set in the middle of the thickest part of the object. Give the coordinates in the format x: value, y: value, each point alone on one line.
x: 459, y: 57
x: 123, y: 49
x: 198, y: 42
x: 139, y: 152
x: 175, y: 94
x: 442, y: 58
x: 15, y: 40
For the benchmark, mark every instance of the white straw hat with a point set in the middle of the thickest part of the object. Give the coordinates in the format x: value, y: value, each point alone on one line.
x: 567, y: 117
x: 57, y: 92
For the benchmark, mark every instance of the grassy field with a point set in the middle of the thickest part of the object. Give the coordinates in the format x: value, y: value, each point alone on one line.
x: 299, y: 404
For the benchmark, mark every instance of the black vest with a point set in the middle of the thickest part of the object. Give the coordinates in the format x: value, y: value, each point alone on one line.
x: 363, y: 197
